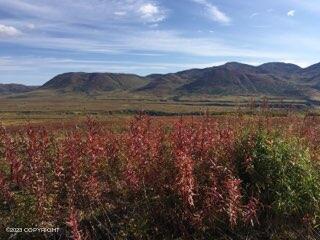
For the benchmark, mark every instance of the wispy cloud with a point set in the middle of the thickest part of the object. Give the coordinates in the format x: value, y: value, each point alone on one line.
x: 254, y: 15
x: 310, y: 5
x: 175, y: 42
x: 291, y: 13
x: 30, y: 26
x: 93, y: 11
x: 88, y: 28
x: 120, y: 13
x: 214, y: 12
x: 33, y: 63
x: 8, y: 31
x: 132, y: 40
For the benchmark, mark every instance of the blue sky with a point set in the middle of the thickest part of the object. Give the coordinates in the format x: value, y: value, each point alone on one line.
x: 42, y: 38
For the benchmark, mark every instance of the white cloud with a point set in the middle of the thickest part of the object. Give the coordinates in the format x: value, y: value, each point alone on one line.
x: 151, y: 12
x: 120, y: 13
x: 214, y: 12
x: 8, y: 31
x: 148, y: 10
x: 94, y: 12
x: 291, y: 13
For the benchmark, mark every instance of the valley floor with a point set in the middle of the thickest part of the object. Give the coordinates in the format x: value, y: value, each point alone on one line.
x: 19, y: 109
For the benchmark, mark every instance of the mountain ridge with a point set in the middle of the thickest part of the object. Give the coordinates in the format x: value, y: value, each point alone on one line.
x: 12, y: 88
x: 232, y: 78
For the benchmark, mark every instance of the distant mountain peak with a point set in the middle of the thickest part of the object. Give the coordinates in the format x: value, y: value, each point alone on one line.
x: 95, y: 82
x: 280, y: 64
x: 12, y: 88
x: 280, y: 68
x: 234, y: 64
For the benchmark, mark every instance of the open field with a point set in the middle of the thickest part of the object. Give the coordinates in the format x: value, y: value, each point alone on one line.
x: 190, y: 177
x: 47, y: 107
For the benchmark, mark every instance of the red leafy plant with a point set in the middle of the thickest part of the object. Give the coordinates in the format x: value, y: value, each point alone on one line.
x: 176, y: 179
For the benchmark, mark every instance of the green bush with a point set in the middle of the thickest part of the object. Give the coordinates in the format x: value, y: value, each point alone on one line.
x: 281, y: 174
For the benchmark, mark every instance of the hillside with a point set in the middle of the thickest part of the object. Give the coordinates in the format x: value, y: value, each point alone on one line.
x: 286, y: 70
x: 240, y: 79
x: 274, y: 79
x: 94, y: 82
x: 15, y: 88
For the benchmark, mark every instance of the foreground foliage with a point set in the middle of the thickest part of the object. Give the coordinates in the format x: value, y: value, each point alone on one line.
x: 203, y: 178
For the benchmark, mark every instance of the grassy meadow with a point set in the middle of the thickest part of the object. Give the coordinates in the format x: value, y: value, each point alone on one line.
x: 47, y: 106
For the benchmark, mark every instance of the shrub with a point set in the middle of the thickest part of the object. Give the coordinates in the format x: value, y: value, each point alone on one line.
x: 280, y: 173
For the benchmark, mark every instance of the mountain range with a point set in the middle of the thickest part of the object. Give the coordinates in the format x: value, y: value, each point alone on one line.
x: 269, y: 79
x: 15, y: 88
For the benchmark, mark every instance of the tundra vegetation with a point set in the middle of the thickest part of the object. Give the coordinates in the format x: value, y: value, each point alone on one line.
x: 204, y: 177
